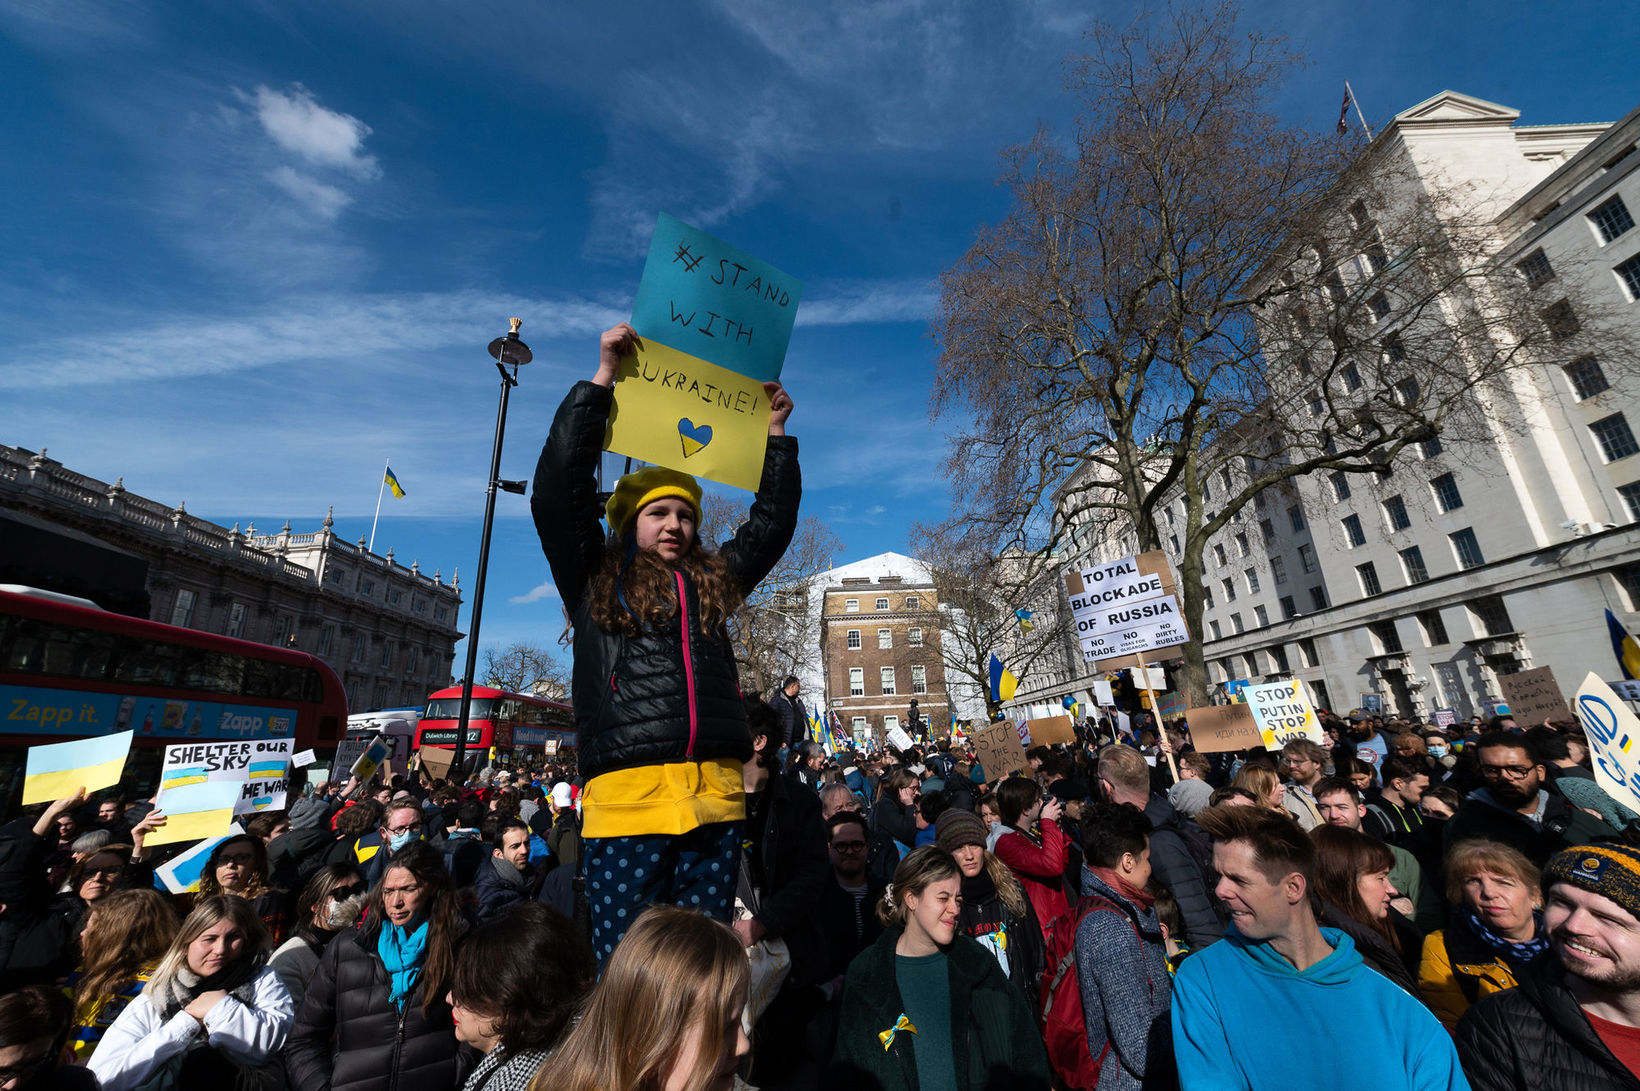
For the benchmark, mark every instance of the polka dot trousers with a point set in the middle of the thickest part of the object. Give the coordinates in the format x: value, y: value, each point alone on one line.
x: 697, y: 870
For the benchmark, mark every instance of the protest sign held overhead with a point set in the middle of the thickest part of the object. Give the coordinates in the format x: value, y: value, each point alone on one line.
x: 1534, y: 696
x: 1283, y: 713
x: 261, y: 768
x: 1613, y: 732
x: 58, y: 770
x: 999, y: 751
x: 1126, y: 607
x: 193, y: 811
x: 1218, y: 729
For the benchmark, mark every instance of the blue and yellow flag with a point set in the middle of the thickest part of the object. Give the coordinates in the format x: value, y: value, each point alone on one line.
x: 1024, y: 617
x: 393, y: 484
x: 1003, y: 681
x: 1624, y: 646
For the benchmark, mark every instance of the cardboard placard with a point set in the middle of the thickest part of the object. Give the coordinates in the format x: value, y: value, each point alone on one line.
x: 999, y: 751
x: 1612, y: 731
x: 261, y: 767
x: 1283, y: 712
x: 1047, y: 730
x: 1444, y: 717
x: 1218, y: 729
x: 1534, y: 696
x: 436, y: 761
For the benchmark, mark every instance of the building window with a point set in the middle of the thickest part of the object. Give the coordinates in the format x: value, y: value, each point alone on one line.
x: 1252, y: 665
x: 1358, y: 214
x: 1207, y: 596
x: 1379, y: 303
x: 379, y: 695
x: 284, y: 634
x: 1229, y: 586
x: 1306, y: 649
x: 1628, y: 578
x: 1242, y: 547
x: 890, y: 723
x: 1560, y: 320
x: 1335, y: 287
x: 367, y: 588
x: 394, y: 597
x: 1630, y: 494
x: 1296, y: 517
x: 1340, y: 485
x: 415, y: 659
x: 1219, y: 554
x: 851, y: 606
x: 327, y: 639
x: 1252, y: 581
x: 888, y: 681
x: 1395, y: 512
x: 1386, y: 636
x: 1434, y: 628
x: 1318, y: 598
x: 1306, y: 557
x: 913, y: 636
x: 856, y: 681
x: 1376, y: 257
x: 353, y: 695
x: 919, y: 678
x: 1492, y: 616
x: 1173, y: 540
x: 1447, y: 496
x: 1235, y: 623
x: 858, y: 724
x: 1615, y: 439
x: 882, y: 604
x: 1262, y: 615
x: 1213, y: 627
x: 1266, y: 529
x: 236, y: 619
x: 1318, y: 408
x: 854, y: 640
x: 1586, y: 377
x: 1412, y: 563
x: 1611, y: 219
x: 440, y: 613
x: 885, y: 638
x: 1278, y: 569
x: 1368, y: 574
x: 1467, y: 549
x: 1536, y: 269
x: 387, y: 654
x: 1352, y: 375
x: 1278, y: 655
x: 182, y: 610
x: 1394, y: 349
x: 1353, y: 532
x: 913, y: 602
x: 1430, y: 447
x: 1407, y: 391
x: 1288, y: 607
x: 1628, y: 274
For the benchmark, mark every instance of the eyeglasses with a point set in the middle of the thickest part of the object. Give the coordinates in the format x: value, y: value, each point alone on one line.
x: 414, y: 827
x: 1513, y: 772
x: 849, y: 846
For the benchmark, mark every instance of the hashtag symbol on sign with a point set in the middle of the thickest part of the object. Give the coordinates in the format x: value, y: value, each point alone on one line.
x: 690, y: 262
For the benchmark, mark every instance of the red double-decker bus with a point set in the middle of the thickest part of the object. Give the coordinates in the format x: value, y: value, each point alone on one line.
x: 70, y: 671
x: 518, y: 725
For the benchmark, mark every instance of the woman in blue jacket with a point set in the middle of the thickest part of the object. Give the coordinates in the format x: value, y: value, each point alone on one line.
x: 662, y: 733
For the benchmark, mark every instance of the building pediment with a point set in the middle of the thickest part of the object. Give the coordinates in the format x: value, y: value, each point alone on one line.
x: 1454, y: 108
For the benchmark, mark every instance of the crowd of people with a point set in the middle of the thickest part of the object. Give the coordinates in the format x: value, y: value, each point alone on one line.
x: 699, y: 895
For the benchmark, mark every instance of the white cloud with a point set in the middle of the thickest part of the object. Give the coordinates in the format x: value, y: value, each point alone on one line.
x: 540, y: 591
x: 324, y: 200
x: 884, y: 301
x: 297, y: 123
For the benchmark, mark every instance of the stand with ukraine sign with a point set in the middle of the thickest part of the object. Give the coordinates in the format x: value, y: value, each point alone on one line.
x: 714, y: 323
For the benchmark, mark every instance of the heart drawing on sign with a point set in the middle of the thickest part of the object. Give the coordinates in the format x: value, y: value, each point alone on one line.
x: 694, y: 436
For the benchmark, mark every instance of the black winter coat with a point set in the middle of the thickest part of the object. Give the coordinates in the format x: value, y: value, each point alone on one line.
x: 349, y: 1037
x: 1176, y: 868
x: 795, y: 866
x: 634, y: 702
x: 993, y: 1033
x: 1536, y: 1036
x: 1563, y: 826
x: 38, y: 933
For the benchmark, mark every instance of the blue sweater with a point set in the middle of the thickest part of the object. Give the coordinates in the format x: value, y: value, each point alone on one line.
x: 1244, y: 1018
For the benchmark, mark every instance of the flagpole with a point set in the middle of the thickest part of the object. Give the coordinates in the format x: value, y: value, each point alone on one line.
x: 1161, y: 728
x: 381, y: 488
x: 1357, y: 104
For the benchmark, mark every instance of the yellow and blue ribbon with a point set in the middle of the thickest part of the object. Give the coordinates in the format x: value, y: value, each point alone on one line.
x: 887, y: 1036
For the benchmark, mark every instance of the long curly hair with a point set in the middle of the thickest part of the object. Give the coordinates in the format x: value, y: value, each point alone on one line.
x: 126, y: 932
x: 634, y: 591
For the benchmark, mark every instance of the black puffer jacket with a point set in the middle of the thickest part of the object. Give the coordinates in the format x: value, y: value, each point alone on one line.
x: 349, y: 1037
x: 1536, y: 1036
x: 635, y: 705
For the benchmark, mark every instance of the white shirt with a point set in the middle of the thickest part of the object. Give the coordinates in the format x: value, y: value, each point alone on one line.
x: 140, y: 1042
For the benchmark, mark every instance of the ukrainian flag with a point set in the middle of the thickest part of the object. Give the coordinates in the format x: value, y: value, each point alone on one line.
x: 1003, y: 681
x: 58, y: 770
x: 393, y: 484
x: 1624, y: 646
x: 1024, y: 617
x: 264, y: 769
x: 195, y: 811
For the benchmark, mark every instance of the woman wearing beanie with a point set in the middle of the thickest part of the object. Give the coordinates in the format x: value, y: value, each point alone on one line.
x: 995, y: 910
x: 662, y: 732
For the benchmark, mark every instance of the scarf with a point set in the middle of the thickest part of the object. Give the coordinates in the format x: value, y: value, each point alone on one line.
x: 1507, y: 949
x: 978, y: 890
x: 1110, y: 878
x: 235, y: 980
x: 402, y: 953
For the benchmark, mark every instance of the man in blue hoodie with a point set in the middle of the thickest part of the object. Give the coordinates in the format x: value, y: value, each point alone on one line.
x: 1281, y: 989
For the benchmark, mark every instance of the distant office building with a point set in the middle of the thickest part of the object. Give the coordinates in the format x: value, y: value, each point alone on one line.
x: 388, y: 631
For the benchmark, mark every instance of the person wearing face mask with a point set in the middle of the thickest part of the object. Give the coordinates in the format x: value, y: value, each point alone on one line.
x: 330, y: 902
x: 926, y: 1006
x: 213, y: 1014
x: 376, y: 1015
x: 401, y: 825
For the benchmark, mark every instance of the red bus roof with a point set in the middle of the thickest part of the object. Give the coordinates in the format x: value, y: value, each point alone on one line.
x: 491, y: 691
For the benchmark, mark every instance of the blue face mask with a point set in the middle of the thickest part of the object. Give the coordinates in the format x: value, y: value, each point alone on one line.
x: 398, y: 840
x: 1437, y: 751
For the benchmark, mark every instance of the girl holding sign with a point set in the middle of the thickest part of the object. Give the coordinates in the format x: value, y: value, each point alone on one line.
x: 657, y: 699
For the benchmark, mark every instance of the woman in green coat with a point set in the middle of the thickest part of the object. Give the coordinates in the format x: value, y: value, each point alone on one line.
x: 927, y: 1008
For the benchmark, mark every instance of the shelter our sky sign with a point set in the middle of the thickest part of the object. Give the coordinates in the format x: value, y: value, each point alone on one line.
x: 715, y: 323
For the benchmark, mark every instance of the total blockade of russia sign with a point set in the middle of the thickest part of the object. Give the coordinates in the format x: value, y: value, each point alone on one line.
x: 1126, y: 606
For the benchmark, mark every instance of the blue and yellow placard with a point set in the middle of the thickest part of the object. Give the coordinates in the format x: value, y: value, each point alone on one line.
x: 58, y: 770
x: 703, y: 297
x: 684, y: 413
x: 194, y: 811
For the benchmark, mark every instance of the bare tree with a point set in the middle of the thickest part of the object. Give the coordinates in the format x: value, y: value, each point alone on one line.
x: 1192, y: 304
x: 525, y: 667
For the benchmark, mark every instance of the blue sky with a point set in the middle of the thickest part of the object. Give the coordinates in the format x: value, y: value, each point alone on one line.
x: 251, y: 250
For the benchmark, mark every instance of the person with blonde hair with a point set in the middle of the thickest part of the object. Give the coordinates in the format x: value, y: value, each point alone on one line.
x: 212, y: 1014
x: 1265, y: 784
x: 927, y: 1006
x: 126, y: 934
x: 1495, y: 932
x: 666, y: 1015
